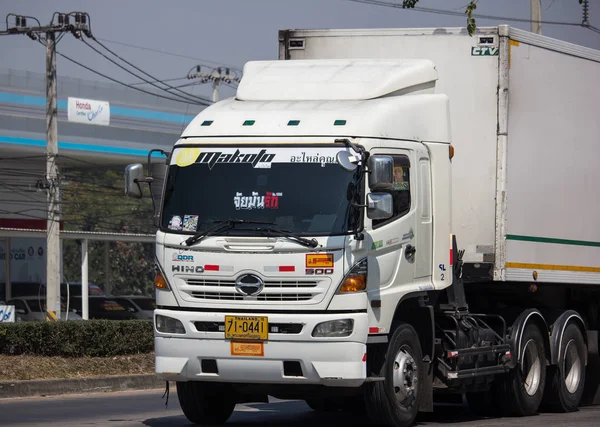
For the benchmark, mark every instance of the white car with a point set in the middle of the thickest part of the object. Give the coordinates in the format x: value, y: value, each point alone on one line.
x: 33, y: 308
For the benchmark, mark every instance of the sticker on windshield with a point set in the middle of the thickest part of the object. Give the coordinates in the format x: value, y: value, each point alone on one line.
x: 307, y: 158
x: 186, y: 156
x: 256, y: 201
x: 175, y: 223
x: 190, y: 222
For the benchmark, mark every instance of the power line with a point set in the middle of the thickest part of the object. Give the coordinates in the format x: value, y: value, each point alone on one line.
x: 140, y: 70
x: 160, y: 81
x: 169, y: 53
x: 126, y: 84
x: 461, y: 14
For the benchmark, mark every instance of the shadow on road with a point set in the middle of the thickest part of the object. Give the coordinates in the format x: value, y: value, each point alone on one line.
x: 296, y: 414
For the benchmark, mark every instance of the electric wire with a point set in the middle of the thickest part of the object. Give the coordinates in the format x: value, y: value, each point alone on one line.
x: 120, y: 82
x: 202, y: 61
x: 186, y: 96
x: 461, y: 14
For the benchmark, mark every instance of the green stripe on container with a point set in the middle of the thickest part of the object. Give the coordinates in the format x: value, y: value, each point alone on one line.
x: 551, y: 240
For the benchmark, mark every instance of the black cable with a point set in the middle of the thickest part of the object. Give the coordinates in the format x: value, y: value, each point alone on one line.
x: 149, y: 75
x: 461, y: 14
x: 124, y: 84
x: 171, y: 54
x: 591, y: 27
x: 161, y: 81
x: 139, y: 77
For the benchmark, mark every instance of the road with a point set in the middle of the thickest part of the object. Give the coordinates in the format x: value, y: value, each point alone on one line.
x: 139, y: 409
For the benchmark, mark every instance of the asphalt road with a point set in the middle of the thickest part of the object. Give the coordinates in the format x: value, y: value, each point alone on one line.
x: 139, y: 409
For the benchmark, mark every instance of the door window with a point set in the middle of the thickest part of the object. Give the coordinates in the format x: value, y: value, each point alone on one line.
x: 400, y: 191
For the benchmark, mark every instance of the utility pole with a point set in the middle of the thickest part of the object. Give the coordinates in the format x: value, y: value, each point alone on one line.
x: 75, y: 23
x: 536, y: 16
x: 216, y: 76
x: 53, y: 219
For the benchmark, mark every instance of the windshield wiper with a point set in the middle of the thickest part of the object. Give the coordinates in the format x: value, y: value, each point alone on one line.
x: 311, y: 243
x: 222, y: 225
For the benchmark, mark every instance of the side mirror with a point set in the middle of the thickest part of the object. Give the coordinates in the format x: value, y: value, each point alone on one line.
x: 134, y: 174
x: 380, y: 205
x: 381, y: 172
x: 20, y: 311
x: 347, y: 161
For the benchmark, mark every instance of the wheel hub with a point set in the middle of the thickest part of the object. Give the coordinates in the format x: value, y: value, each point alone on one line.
x: 531, y: 367
x: 572, y: 367
x: 404, y: 375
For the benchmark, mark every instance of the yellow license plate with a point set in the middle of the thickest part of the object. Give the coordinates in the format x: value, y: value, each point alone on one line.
x: 247, y: 328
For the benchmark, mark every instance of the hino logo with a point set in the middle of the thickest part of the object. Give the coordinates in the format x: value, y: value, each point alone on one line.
x: 249, y: 285
x: 187, y: 269
x: 213, y: 158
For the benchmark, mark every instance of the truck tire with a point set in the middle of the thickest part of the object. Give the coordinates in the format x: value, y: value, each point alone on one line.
x: 523, y: 387
x: 206, y: 403
x: 395, y: 401
x: 567, y: 380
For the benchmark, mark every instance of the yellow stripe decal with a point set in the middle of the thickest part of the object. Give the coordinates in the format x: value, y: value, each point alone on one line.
x: 50, y: 316
x: 553, y: 267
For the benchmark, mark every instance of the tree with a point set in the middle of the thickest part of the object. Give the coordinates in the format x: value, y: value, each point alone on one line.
x: 93, y: 200
x: 470, y: 8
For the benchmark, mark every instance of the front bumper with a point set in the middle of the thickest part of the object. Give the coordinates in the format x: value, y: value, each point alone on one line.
x: 336, y: 362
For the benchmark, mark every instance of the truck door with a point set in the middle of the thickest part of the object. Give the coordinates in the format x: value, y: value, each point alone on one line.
x: 394, y: 246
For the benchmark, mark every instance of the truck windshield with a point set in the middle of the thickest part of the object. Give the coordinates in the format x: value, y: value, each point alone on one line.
x: 301, y: 189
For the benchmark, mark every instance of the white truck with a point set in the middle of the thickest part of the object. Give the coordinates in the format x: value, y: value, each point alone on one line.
x: 384, y: 216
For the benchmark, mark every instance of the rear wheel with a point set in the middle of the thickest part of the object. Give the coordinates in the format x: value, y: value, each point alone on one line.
x: 206, y: 403
x: 395, y: 401
x: 567, y: 379
x: 524, y: 385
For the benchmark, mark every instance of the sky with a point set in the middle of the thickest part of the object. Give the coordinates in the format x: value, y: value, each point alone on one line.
x: 232, y: 32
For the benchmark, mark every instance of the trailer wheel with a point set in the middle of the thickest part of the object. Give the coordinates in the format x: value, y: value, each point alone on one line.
x: 395, y: 401
x: 205, y: 403
x: 524, y: 385
x: 567, y: 380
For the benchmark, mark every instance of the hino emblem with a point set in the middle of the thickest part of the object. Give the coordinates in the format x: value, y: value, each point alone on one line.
x: 249, y: 285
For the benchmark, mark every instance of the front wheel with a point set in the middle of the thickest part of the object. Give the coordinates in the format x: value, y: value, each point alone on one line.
x: 205, y: 403
x: 395, y: 401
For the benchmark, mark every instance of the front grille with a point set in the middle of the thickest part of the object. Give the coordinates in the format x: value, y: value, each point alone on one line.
x: 273, y: 291
x: 268, y: 283
x: 263, y: 297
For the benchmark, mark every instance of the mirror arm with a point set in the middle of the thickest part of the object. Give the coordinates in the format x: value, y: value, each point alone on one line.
x: 155, y: 150
x: 364, y: 154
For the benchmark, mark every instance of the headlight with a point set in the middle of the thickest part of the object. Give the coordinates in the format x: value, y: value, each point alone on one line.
x: 168, y: 325
x: 334, y: 328
x: 356, y: 279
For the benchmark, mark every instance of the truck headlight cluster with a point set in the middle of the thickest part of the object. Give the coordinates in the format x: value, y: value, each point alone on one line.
x: 168, y: 325
x: 334, y: 328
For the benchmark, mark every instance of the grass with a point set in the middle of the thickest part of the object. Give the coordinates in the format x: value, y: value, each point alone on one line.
x: 13, y: 368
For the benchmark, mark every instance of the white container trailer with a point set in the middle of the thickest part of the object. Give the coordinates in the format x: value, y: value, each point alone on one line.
x: 381, y: 217
x: 524, y: 122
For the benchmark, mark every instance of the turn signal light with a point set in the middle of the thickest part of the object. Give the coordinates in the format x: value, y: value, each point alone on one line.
x: 354, y: 284
x: 356, y: 279
x: 160, y: 281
